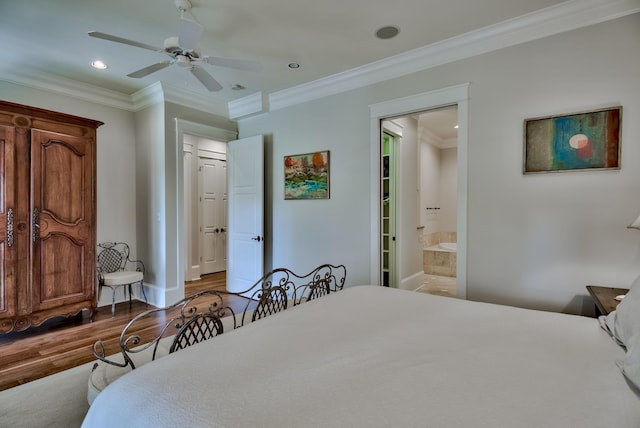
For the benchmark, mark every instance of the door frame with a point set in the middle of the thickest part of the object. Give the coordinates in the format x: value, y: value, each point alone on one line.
x: 391, y: 128
x: 198, y: 130
x: 453, y: 95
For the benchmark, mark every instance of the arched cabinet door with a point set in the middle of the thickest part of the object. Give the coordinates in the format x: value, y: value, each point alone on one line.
x: 8, y: 297
x: 61, y: 218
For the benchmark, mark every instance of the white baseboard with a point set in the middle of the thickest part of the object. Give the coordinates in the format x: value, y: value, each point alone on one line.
x: 412, y: 282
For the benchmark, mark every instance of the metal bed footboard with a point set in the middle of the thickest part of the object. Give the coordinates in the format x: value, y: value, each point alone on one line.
x: 206, y: 314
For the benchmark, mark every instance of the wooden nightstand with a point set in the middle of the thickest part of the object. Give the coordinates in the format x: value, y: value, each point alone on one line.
x: 604, y: 298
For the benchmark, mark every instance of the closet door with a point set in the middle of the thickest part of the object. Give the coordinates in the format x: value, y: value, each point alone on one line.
x: 213, y: 215
x: 8, y: 224
x: 62, y: 171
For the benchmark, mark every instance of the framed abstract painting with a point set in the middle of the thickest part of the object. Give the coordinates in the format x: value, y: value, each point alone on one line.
x: 306, y: 176
x: 579, y: 141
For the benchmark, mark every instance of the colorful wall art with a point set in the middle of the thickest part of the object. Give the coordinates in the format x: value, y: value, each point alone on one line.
x: 578, y: 141
x: 306, y: 176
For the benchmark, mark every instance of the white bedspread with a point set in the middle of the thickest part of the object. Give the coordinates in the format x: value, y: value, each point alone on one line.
x: 377, y: 357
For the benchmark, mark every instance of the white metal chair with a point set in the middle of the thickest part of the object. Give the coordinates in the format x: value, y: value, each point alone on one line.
x: 116, y: 269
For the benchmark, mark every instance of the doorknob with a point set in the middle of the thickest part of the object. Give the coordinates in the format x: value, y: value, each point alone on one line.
x: 216, y: 230
x: 257, y: 238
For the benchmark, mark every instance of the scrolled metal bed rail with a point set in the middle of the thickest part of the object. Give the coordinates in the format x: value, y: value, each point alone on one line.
x: 206, y: 314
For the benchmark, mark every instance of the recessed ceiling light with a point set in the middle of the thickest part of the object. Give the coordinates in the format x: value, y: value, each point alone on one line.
x: 99, y: 64
x: 238, y: 87
x: 294, y: 65
x: 388, y: 32
x: 455, y: 127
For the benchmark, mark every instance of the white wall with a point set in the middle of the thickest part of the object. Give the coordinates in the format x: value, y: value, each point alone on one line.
x: 533, y: 241
x: 438, y: 188
x: 301, y: 234
x: 429, y: 186
x: 448, y: 184
x: 408, y: 236
x: 150, y: 209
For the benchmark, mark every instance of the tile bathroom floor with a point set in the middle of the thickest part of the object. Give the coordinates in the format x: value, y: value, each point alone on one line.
x: 440, y: 285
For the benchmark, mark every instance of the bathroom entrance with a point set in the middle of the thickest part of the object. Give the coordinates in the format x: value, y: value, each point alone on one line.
x: 419, y: 229
x: 409, y: 261
x: 438, y: 190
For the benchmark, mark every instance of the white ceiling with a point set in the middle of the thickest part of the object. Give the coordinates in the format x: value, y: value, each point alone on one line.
x: 49, y: 37
x: 45, y: 42
x: 440, y: 125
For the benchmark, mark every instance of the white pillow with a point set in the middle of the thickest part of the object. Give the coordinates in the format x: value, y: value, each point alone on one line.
x: 624, y: 326
x: 630, y: 366
x: 624, y: 323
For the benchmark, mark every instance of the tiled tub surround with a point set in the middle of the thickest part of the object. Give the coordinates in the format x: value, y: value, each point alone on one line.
x: 436, y: 259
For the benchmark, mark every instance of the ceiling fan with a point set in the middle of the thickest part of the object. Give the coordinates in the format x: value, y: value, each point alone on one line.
x: 184, y: 51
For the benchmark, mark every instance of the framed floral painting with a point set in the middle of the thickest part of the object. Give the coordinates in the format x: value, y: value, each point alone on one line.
x: 306, y: 176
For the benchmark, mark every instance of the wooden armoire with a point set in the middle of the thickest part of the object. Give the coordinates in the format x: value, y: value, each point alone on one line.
x: 47, y: 215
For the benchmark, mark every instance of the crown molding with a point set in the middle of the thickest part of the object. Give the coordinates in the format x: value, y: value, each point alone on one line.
x: 148, y: 96
x: 152, y: 94
x: 197, y: 100
x: 248, y: 106
x: 70, y: 88
x: 557, y: 19
x: 160, y: 92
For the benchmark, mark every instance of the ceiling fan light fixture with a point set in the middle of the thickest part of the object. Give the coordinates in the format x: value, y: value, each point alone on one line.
x: 238, y: 87
x: 183, y: 61
x: 183, y: 51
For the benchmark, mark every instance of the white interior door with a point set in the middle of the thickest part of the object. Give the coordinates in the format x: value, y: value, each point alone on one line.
x: 213, y: 215
x: 245, y: 175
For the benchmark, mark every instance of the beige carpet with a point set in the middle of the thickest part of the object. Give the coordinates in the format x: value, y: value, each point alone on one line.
x: 59, y: 400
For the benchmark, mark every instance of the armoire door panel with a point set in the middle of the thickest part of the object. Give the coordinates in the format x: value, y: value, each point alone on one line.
x: 7, y: 222
x: 61, y: 178
x: 62, y: 167
x: 61, y: 270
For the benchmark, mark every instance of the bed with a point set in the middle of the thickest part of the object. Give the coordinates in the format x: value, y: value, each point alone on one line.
x: 371, y: 356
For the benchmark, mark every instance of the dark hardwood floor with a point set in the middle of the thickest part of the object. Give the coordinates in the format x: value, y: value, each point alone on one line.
x: 60, y: 344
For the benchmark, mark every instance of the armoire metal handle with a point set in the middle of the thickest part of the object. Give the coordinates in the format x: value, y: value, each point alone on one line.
x: 10, y: 227
x: 35, y: 224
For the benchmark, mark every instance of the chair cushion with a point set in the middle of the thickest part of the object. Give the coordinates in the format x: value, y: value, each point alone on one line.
x: 122, y: 277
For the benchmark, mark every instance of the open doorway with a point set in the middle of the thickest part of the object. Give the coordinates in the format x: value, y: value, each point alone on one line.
x: 205, y: 203
x: 419, y: 152
x: 411, y: 212
x: 188, y: 134
x: 438, y: 207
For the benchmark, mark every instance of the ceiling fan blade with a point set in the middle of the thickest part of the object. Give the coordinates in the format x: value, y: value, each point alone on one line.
x: 240, y: 64
x: 150, y: 69
x: 206, y: 79
x: 117, y: 39
x: 189, y: 34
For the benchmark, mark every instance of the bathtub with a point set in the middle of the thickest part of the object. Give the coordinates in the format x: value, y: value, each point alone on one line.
x: 440, y: 259
x: 447, y: 246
